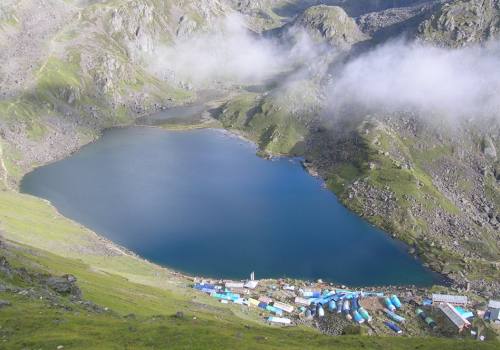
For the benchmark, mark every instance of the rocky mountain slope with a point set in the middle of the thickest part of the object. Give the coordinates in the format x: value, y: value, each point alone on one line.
x: 72, y: 68
x: 354, y: 8
x: 396, y: 21
x: 460, y: 23
x: 433, y: 185
x: 417, y: 181
x: 329, y: 24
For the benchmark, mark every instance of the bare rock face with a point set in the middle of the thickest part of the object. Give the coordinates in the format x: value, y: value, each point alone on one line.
x: 65, y: 285
x: 329, y: 24
x: 462, y: 22
x: 186, y: 27
x: 251, y: 6
x: 396, y: 20
x: 489, y: 148
x: 135, y: 23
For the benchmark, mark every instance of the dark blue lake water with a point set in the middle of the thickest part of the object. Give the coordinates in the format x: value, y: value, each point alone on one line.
x: 202, y: 202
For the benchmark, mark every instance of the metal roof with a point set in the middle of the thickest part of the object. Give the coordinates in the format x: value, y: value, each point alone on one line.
x: 453, y: 315
x: 495, y: 315
x: 230, y: 284
x: 452, y: 299
x: 494, y: 304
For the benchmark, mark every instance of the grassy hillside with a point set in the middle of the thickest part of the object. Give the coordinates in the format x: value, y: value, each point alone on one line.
x: 422, y: 187
x: 278, y: 121
x: 134, y: 302
x: 267, y: 124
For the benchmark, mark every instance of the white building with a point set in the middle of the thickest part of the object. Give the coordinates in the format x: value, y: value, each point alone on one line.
x: 450, y: 299
x: 231, y: 284
x: 495, y: 316
x: 454, y: 316
x: 252, y: 284
x: 494, y: 304
x: 494, y: 309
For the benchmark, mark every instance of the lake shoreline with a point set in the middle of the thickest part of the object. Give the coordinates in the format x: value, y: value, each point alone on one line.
x: 240, y: 135
x: 359, y: 278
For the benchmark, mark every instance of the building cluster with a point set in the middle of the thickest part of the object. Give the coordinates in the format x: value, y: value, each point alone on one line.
x: 286, y: 304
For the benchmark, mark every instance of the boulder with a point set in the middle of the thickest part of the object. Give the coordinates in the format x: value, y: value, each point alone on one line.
x: 4, y: 303
x: 65, y: 285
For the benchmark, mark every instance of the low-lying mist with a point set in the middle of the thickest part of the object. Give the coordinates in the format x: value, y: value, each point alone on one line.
x: 403, y: 76
x: 231, y: 54
x: 393, y: 77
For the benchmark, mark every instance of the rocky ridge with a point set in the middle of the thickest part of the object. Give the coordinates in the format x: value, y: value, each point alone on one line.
x: 397, y: 19
x: 329, y: 24
x: 462, y: 22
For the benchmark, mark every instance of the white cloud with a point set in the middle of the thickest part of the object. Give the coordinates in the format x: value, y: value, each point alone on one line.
x: 230, y: 54
x: 413, y: 76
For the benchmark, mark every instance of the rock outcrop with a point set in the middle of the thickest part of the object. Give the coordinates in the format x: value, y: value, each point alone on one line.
x: 396, y: 21
x: 64, y: 285
x: 462, y: 22
x: 329, y: 24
